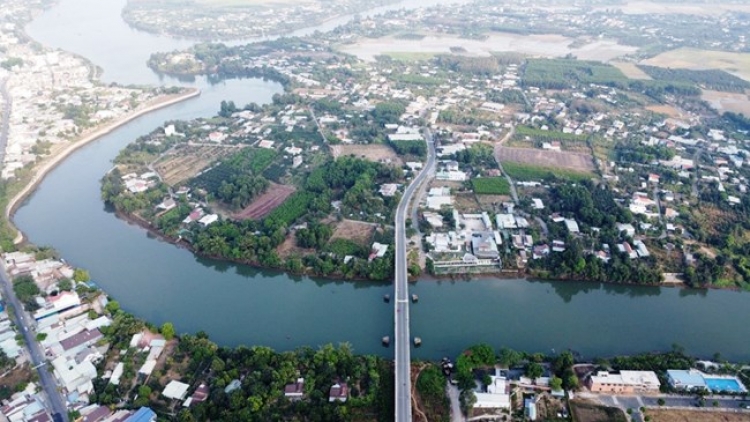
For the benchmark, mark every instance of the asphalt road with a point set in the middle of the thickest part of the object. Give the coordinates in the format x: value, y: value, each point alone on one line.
x: 401, y: 287
x: 25, y: 324
x: 5, y: 119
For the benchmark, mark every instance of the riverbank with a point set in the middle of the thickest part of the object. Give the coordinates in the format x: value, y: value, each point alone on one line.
x: 42, y: 169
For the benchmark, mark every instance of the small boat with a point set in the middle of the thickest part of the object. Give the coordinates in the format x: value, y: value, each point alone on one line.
x: 414, y: 298
x: 386, y: 298
x: 386, y: 341
x: 417, y: 341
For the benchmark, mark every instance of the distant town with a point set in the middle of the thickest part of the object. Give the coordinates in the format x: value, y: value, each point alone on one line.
x: 587, y: 142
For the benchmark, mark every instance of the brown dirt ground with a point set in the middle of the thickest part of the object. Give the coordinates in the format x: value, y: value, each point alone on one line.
x: 419, y: 415
x: 664, y: 415
x: 356, y: 231
x: 375, y: 152
x: 466, y: 202
x: 542, y: 158
x: 589, y: 412
x: 264, y: 204
x: 185, y: 163
x: 487, y: 201
x: 665, y: 109
x: 289, y: 247
x: 16, y: 376
x: 728, y: 101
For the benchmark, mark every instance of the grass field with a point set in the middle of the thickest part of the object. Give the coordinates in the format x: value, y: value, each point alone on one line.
x: 490, y: 186
x: 406, y: 56
x: 664, y: 415
x: 589, y: 412
x: 520, y: 171
x: 691, y: 58
x: 577, y: 162
x: 631, y: 70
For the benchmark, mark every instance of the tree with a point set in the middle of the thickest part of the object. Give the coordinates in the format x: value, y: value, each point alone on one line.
x: 556, y: 383
x: 65, y: 284
x: 41, y: 336
x: 81, y: 275
x: 112, y: 307
x: 26, y: 291
x: 509, y: 357
x: 167, y: 330
x: 534, y: 370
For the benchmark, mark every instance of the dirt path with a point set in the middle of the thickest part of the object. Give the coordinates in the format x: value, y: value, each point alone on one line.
x: 419, y: 415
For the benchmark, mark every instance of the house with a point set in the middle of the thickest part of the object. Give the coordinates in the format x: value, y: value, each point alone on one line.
x: 208, y: 219
x: 378, y: 250
x: 483, y: 245
x: 81, y: 340
x: 653, y: 178
x: 295, y: 390
x: 640, y: 249
x: 167, y: 204
x: 388, y: 189
x: 537, y: 204
x: 338, y: 392
x: 628, y: 229
x: 195, y: 215
x: 505, y: 221
x: 540, y: 251
x: 691, y: 379
x: 200, y: 394
x: 529, y: 406
x: 551, y: 146
x: 96, y: 414
x: 626, y: 382
x: 497, y: 395
x: 558, y: 246
x: 625, y: 248
x: 571, y: 225
x: 217, y: 137
x: 74, y: 377
x: 233, y: 385
x: 293, y: 150
x: 175, y: 390
x: 144, y: 414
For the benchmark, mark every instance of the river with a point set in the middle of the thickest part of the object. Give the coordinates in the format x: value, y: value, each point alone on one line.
x: 241, y: 305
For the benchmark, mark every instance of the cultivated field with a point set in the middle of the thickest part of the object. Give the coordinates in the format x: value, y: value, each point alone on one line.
x: 264, y: 204
x: 545, y: 45
x: 544, y: 158
x: 589, y: 412
x: 356, y: 231
x: 374, y: 152
x: 631, y: 70
x: 690, y: 58
x: 728, y: 101
x: 186, y: 162
x: 664, y: 415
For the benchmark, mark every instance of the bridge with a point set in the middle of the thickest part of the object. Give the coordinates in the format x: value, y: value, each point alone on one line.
x: 401, y: 287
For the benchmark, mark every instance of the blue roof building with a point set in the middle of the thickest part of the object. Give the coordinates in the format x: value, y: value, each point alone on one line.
x: 144, y: 414
x: 686, y: 380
